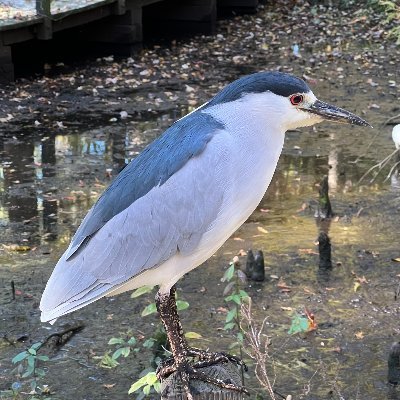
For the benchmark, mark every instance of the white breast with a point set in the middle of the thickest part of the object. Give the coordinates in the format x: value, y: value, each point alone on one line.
x: 250, y: 146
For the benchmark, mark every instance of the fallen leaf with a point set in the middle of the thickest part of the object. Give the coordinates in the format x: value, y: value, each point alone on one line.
x: 307, y: 290
x: 261, y: 229
x: 307, y: 251
x: 16, y: 247
x: 359, y: 335
x: 109, y: 385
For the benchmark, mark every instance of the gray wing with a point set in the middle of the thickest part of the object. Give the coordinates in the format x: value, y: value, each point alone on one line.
x: 185, y: 139
x: 171, y: 217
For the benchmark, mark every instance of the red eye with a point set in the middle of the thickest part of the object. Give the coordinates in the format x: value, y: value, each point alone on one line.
x: 296, y: 99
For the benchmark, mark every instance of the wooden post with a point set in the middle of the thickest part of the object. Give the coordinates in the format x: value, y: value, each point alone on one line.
x: 43, y: 7
x: 6, y: 63
x: 171, y: 388
x: 122, y: 31
x: 45, y: 29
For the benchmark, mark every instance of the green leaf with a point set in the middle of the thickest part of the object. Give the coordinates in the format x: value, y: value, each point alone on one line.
x: 31, y: 361
x: 33, y: 385
x: 125, y: 351
x: 229, y: 273
x: 137, y: 385
x: 229, y: 326
x: 108, y: 362
x: 32, y: 351
x: 43, y: 358
x: 192, y: 335
x: 141, y: 291
x: 20, y: 356
x: 40, y: 372
x: 231, y: 315
x: 146, y: 390
x: 149, y: 343
x: 150, y: 309
x: 182, y: 305
x: 299, y: 324
x: 157, y: 387
x: 132, y: 341
x: 243, y: 294
x: 228, y: 288
x: 115, y: 340
x: 36, y: 346
x: 29, y: 371
x: 236, y: 299
x: 240, y: 337
x: 151, y: 378
x: 117, y: 353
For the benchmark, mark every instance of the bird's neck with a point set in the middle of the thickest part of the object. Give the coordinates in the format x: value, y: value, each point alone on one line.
x: 253, y: 126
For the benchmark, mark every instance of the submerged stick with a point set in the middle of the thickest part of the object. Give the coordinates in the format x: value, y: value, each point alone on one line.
x: 324, y: 210
x: 324, y: 248
x: 394, y: 364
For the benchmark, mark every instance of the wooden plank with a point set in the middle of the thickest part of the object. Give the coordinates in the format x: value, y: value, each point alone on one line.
x: 13, y: 36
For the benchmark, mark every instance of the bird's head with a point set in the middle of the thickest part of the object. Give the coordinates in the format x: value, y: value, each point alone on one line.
x: 286, y: 101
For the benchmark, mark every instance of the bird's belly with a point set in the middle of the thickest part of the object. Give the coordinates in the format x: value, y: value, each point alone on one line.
x: 243, y: 194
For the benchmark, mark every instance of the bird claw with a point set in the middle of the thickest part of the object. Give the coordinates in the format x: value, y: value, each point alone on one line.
x: 189, y: 372
x: 208, y: 358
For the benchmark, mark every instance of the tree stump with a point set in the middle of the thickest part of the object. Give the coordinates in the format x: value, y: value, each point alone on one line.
x: 171, y: 388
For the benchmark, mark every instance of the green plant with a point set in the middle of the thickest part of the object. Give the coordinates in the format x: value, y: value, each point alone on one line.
x: 392, y: 11
x: 236, y: 296
x: 147, y: 384
x: 124, y: 348
x: 27, y: 367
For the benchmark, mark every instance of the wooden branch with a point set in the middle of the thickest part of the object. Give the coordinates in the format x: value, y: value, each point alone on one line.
x: 62, y: 337
x: 171, y: 388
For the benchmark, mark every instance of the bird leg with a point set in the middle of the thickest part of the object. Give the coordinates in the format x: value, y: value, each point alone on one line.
x: 179, y: 362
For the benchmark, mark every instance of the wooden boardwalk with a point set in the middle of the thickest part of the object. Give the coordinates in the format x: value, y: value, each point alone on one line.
x: 118, y: 22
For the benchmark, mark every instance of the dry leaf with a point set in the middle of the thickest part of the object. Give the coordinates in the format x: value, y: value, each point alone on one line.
x: 359, y: 335
x: 109, y: 385
x: 261, y: 229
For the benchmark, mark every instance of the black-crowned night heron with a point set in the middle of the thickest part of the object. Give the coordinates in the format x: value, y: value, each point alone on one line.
x: 176, y: 203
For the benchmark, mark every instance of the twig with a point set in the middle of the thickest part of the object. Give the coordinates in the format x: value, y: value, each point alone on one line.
x: 72, y: 330
x: 258, y: 343
x: 379, y: 165
x: 391, y: 171
x: 391, y: 119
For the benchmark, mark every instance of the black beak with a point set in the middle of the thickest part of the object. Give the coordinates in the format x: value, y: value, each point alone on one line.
x: 332, y: 113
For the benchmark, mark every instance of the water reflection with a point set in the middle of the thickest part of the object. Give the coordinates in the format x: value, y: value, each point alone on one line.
x: 43, y: 179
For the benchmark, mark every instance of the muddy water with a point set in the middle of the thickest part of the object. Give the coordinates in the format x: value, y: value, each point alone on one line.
x: 48, y: 182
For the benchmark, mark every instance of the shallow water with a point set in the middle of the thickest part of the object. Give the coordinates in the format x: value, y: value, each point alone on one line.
x: 48, y: 183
